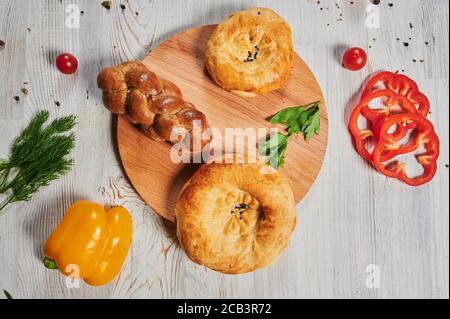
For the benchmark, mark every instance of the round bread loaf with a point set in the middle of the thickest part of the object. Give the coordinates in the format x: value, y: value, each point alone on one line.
x: 251, y: 52
x: 235, y: 218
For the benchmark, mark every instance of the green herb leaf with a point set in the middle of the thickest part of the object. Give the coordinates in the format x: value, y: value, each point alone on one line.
x: 298, y: 119
x: 274, y: 147
x: 50, y: 263
x: 310, y: 121
x: 38, y: 156
x: 7, y: 294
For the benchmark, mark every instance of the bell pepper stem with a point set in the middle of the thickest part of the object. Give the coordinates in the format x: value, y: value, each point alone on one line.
x: 7, y: 294
x: 50, y: 263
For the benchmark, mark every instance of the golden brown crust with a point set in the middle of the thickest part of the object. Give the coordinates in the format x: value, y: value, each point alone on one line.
x: 155, y: 104
x: 251, y: 52
x: 115, y: 101
x: 139, y: 110
x: 171, y: 89
x: 111, y: 79
x: 235, y: 218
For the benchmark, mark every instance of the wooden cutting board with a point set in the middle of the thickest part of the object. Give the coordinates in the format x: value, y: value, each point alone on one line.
x: 181, y: 60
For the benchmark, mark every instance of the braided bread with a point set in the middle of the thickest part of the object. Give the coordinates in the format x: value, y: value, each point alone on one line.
x: 157, y: 105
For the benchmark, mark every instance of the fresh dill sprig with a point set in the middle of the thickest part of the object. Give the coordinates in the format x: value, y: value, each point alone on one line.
x: 38, y: 156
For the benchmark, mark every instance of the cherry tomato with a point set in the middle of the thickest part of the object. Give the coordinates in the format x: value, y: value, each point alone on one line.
x: 355, y: 59
x: 66, y: 63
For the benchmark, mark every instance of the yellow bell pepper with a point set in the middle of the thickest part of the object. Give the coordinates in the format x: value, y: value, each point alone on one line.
x: 92, y: 239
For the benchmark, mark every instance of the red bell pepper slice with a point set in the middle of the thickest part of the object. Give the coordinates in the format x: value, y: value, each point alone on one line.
x: 375, y: 118
x: 425, y: 136
x: 421, y: 101
x: 400, y: 84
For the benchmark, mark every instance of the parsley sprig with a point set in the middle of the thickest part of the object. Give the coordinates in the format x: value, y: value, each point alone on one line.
x: 38, y: 156
x: 298, y: 120
x: 274, y: 148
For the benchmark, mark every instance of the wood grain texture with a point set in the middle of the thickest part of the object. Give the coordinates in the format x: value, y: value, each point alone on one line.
x: 351, y: 217
x: 180, y: 60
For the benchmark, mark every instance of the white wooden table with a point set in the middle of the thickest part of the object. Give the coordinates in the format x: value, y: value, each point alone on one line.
x: 352, y: 217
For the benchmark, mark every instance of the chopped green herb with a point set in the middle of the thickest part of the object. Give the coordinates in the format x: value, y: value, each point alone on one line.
x: 299, y: 119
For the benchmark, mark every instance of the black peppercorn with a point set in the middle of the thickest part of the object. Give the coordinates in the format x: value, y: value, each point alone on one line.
x: 106, y: 4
